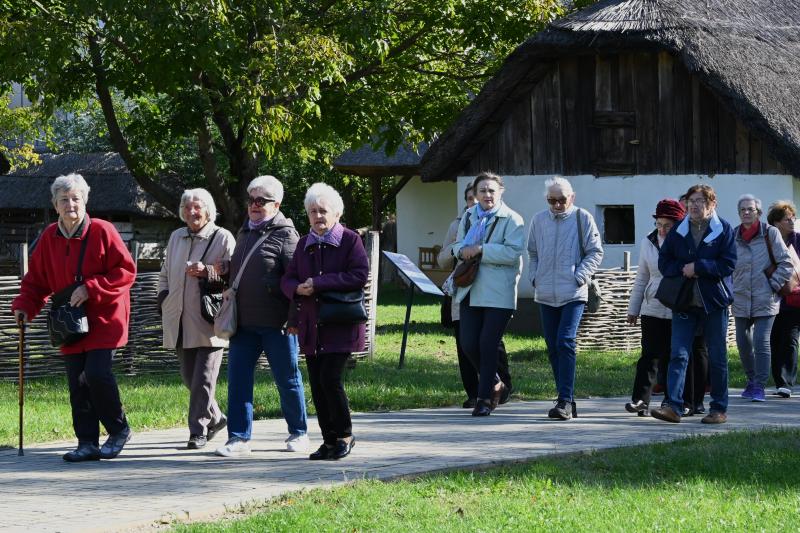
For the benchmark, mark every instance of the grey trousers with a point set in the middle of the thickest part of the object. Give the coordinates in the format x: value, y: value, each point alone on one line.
x: 199, y: 371
x: 752, y: 339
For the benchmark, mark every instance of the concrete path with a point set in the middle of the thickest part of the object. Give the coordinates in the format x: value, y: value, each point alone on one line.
x: 155, y: 480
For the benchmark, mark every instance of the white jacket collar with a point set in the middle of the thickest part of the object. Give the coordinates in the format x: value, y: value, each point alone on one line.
x: 714, y: 224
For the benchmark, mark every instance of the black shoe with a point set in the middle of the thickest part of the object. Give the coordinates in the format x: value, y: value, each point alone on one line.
x: 342, y: 449
x: 700, y: 409
x: 506, y: 395
x: 115, y: 443
x: 497, y: 393
x: 86, y: 451
x: 637, y: 407
x: 574, y: 410
x: 469, y: 403
x: 482, y: 408
x: 213, y: 429
x: 196, y: 442
x: 688, y: 411
x: 563, y: 410
x: 322, y: 453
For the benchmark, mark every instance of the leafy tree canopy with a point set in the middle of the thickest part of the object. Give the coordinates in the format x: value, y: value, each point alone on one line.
x: 236, y: 85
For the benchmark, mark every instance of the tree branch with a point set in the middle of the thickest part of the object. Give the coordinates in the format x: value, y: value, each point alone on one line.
x: 167, y: 198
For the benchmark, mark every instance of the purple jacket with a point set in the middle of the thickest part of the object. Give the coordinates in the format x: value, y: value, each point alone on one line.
x: 333, y: 268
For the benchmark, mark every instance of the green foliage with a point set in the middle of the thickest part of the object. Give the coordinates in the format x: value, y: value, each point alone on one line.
x: 251, y: 83
x: 19, y: 129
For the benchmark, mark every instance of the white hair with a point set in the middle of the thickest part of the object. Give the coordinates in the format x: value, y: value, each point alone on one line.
x: 202, y: 196
x: 270, y: 185
x: 70, y: 182
x: 560, y: 183
x: 324, y: 194
x: 748, y: 196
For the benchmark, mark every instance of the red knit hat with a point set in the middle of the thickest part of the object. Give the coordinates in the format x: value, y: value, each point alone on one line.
x: 669, y: 208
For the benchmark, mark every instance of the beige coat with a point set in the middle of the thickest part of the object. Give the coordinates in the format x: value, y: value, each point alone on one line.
x: 182, y: 306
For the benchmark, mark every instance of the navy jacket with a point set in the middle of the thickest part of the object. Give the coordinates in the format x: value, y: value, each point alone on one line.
x: 714, y: 259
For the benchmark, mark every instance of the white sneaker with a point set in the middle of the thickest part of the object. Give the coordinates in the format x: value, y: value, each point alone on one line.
x: 235, y: 447
x: 784, y: 392
x: 297, y: 443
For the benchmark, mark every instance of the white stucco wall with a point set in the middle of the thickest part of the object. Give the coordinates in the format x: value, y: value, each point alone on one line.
x: 18, y: 98
x: 425, y: 210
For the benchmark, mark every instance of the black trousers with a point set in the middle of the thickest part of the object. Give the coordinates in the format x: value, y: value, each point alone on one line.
x: 94, y: 395
x: 656, y: 334
x: 783, y: 340
x: 469, y: 374
x: 481, y: 331
x: 325, y: 374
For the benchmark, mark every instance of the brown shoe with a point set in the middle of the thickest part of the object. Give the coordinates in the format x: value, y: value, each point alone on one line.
x: 715, y: 417
x: 667, y: 414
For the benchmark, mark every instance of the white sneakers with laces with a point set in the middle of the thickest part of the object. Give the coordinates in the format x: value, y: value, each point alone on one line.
x: 297, y: 443
x: 235, y: 447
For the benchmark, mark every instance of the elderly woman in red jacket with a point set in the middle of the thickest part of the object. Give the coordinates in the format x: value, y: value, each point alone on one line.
x: 330, y: 258
x: 107, y: 271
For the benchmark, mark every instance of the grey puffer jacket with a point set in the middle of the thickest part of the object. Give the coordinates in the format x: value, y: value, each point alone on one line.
x: 754, y: 294
x: 557, y: 271
x: 259, y: 299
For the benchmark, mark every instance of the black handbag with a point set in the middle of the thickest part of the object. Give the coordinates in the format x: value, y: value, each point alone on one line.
x: 675, y: 292
x: 210, y: 293
x: 67, y: 324
x: 338, y: 307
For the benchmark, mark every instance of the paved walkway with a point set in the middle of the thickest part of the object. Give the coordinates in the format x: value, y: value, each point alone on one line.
x: 156, y: 480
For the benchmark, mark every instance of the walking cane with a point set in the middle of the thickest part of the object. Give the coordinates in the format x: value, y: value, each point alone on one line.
x: 21, y: 323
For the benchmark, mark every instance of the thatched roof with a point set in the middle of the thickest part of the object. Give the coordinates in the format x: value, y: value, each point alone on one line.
x: 746, y: 51
x: 113, y: 189
x: 369, y: 161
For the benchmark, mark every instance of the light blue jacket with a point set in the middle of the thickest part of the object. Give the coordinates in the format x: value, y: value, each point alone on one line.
x: 501, y: 260
x: 557, y: 271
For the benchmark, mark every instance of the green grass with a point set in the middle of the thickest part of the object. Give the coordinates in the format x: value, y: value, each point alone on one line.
x: 730, y: 482
x: 429, y: 379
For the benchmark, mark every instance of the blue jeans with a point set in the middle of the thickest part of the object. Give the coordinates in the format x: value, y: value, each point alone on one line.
x: 560, y: 325
x: 752, y: 339
x: 714, y: 326
x: 245, y: 349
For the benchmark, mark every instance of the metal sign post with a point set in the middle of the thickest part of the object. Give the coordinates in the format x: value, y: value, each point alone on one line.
x: 414, y: 278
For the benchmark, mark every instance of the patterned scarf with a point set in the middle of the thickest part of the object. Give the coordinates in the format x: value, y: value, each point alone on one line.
x: 478, y: 231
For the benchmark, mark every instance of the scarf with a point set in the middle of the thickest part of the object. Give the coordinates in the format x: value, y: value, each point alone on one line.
x: 259, y: 224
x: 477, y: 231
x: 748, y: 234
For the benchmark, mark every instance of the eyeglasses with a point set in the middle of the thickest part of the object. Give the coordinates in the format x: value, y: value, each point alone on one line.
x: 696, y: 201
x: 260, y: 201
x: 747, y: 209
x: 556, y: 201
x: 667, y: 226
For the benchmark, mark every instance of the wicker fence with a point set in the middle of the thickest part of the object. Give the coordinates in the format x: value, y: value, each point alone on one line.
x: 608, y: 330
x: 144, y: 353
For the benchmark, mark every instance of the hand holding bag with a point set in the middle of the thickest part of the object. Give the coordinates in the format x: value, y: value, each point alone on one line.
x: 467, y: 269
x: 341, y: 307
x: 67, y: 324
x: 227, y: 320
x: 675, y: 292
x: 210, y: 293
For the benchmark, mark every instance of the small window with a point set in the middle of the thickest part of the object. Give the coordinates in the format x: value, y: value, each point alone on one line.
x: 618, y: 224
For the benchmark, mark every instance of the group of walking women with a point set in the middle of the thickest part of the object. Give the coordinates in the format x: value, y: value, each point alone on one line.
x: 564, y: 250
x: 278, y: 278
x: 742, y: 268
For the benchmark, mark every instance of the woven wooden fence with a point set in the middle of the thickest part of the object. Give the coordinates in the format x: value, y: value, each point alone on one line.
x: 144, y: 353
x: 608, y: 329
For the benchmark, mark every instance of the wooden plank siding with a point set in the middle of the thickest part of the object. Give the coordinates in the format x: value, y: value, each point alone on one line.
x: 616, y: 114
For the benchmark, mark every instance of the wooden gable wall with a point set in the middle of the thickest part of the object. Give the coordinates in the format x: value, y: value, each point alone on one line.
x: 625, y: 114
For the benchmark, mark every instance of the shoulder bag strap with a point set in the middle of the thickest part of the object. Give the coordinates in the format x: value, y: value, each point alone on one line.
x: 580, y: 231
x: 84, y: 243
x: 491, y: 230
x: 209, y: 244
x: 769, y: 247
x: 247, y: 258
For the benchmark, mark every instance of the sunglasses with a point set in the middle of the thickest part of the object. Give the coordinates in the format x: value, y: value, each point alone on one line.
x: 555, y: 201
x: 260, y: 201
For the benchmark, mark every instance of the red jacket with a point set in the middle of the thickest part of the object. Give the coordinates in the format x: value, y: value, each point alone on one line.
x: 108, y: 272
